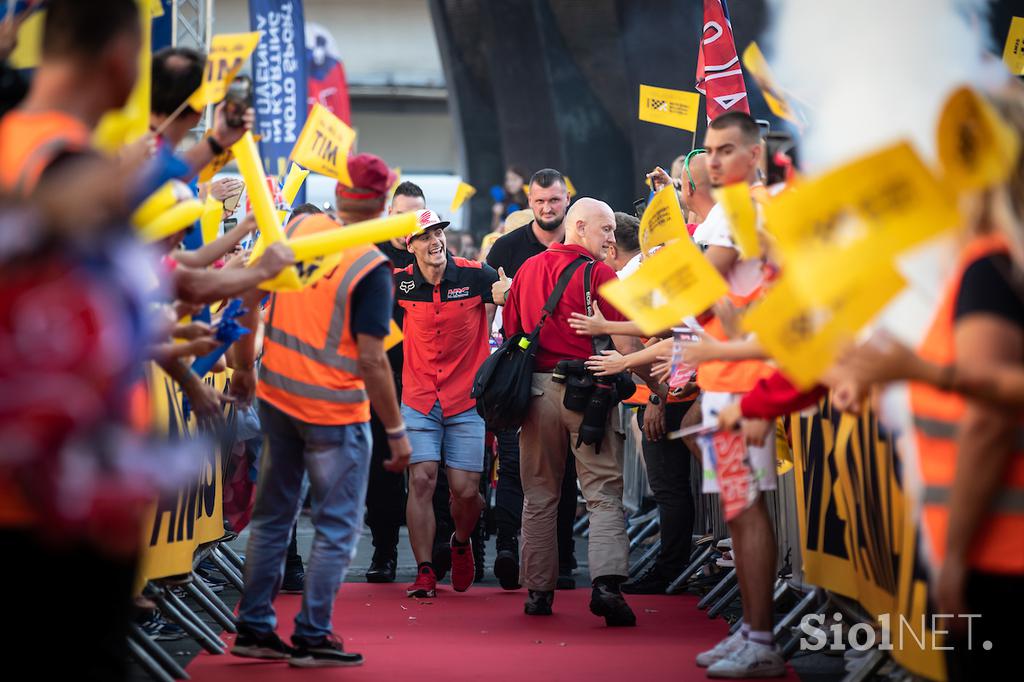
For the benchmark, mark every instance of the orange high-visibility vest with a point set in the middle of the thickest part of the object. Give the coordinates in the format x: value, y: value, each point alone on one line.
x: 29, y: 142
x: 741, y: 376
x: 999, y: 544
x: 310, y: 361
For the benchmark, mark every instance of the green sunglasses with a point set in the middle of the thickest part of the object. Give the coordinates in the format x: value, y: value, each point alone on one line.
x: 686, y: 167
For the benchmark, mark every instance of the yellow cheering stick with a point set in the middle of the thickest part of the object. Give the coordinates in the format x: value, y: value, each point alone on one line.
x: 367, y: 232
x: 263, y: 208
x: 292, y: 182
x: 170, y: 209
x: 213, y: 211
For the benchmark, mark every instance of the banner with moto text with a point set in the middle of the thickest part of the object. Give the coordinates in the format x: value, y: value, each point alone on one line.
x: 279, y: 80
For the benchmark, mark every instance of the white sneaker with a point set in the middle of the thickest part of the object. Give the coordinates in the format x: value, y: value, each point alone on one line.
x: 732, y: 643
x: 751, y: 660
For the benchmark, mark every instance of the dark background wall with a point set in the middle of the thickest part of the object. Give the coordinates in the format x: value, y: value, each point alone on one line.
x: 539, y: 83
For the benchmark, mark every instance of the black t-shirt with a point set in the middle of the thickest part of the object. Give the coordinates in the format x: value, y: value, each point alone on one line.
x: 987, y: 287
x: 510, y: 251
x: 400, y: 258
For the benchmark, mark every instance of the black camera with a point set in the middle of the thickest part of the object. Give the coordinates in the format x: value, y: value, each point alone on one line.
x: 594, y: 396
x: 238, y: 101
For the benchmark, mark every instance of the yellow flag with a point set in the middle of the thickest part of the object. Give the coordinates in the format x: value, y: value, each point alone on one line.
x: 673, y: 108
x: 804, y: 337
x: 1013, y: 51
x: 569, y: 187
x: 156, y: 8
x: 228, y: 53
x: 463, y: 192
x: 398, y: 181
x: 739, y: 208
x: 675, y: 282
x: 324, y: 144
x: 774, y: 96
x: 977, y: 148
x: 28, y: 52
x: 888, y: 197
x: 213, y: 211
x: 662, y: 221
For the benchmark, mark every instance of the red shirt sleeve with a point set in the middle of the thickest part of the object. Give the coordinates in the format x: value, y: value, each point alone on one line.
x: 603, y: 274
x: 510, y: 323
x: 775, y: 396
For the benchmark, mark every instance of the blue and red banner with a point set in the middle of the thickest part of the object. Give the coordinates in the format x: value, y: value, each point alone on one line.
x: 279, y: 80
x: 327, y: 85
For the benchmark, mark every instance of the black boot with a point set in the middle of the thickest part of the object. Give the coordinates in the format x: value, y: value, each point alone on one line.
x: 506, y: 563
x: 607, y: 601
x: 539, y: 603
x: 382, y: 568
x: 650, y: 582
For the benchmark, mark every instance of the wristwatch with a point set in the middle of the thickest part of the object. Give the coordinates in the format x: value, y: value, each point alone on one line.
x: 655, y: 399
x: 215, y: 146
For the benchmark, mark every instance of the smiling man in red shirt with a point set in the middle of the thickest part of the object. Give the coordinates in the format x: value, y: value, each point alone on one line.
x: 550, y: 427
x: 445, y: 299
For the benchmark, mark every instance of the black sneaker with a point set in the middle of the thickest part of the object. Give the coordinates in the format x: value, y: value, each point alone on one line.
x: 382, y: 569
x: 441, y: 559
x: 538, y: 603
x: 325, y: 652
x: 651, y: 582
x: 294, y: 581
x: 160, y: 630
x: 565, y: 581
x: 252, y: 644
x: 506, y: 564
x: 611, y: 605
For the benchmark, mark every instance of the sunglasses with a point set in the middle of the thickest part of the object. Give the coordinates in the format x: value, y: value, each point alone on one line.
x: 686, y: 167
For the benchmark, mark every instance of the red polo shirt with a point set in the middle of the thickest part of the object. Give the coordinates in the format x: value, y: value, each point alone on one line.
x: 531, y: 287
x: 446, y: 334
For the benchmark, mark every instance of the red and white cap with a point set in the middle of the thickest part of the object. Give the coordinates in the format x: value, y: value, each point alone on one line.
x: 427, y: 219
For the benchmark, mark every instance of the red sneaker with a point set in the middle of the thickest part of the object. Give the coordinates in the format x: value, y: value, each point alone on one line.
x: 425, y: 586
x: 463, y: 566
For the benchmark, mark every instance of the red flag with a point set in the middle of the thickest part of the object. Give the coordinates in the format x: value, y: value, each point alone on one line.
x: 719, y: 75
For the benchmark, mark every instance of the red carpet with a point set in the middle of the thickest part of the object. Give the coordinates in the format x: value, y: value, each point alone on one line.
x: 483, y: 634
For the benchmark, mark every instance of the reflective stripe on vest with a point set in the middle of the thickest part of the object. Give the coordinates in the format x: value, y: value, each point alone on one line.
x: 311, y: 391
x: 998, y: 542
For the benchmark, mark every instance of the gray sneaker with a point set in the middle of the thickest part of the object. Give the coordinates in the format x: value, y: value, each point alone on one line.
x: 732, y: 643
x: 750, y: 660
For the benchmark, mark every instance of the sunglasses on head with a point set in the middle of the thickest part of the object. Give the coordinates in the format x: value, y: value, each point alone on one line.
x: 686, y: 167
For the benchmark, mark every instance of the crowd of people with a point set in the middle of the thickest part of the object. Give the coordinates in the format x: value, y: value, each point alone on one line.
x: 392, y: 432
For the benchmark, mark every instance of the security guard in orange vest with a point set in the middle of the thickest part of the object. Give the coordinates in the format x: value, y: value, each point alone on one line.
x: 971, y: 458
x: 323, y: 365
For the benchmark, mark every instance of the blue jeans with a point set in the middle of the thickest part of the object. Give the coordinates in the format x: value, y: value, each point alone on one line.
x: 337, y: 459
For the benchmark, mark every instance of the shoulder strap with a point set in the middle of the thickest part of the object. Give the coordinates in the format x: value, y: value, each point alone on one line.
x: 556, y: 294
x: 602, y: 342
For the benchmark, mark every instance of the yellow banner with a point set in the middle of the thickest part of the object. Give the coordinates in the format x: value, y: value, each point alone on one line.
x: 774, y: 96
x: 228, y: 53
x: 1013, y: 51
x: 804, y: 336
x: 675, y: 282
x: 324, y: 144
x: 739, y: 208
x: 176, y: 524
x: 28, y: 51
x: 673, y: 108
x: 463, y: 192
x: 662, y: 221
x: 394, y: 337
x: 888, y: 197
x: 977, y: 148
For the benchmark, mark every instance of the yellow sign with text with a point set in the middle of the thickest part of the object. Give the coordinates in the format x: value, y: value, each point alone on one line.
x: 228, y: 53
x: 742, y: 214
x: 1013, y: 51
x: 977, y: 148
x: 888, y: 197
x: 774, y: 96
x: 462, y: 193
x: 324, y: 144
x: 675, y: 282
x: 673, y: 108
x: 804, y: 336
x: 662, y: 221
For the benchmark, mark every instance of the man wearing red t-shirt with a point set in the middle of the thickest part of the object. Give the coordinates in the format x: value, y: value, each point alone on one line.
x: 550, y: 427
x: 445, y: 300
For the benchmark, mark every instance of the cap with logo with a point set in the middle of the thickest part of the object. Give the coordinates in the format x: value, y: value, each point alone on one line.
x: 371, y: 178
x: 427, y: 219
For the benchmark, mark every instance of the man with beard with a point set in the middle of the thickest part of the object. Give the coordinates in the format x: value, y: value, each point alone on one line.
x: 549, y: 200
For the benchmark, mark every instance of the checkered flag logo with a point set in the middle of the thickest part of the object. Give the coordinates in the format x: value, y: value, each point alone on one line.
x: 657, y: 104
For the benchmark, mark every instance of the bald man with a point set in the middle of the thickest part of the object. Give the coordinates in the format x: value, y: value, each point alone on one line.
x: 550, y: 427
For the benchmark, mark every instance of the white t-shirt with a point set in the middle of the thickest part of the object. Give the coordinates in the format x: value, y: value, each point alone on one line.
x: 630, y: 267
x: 746, y: 275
